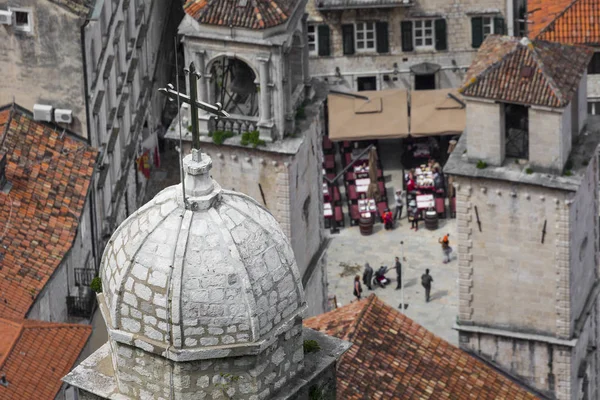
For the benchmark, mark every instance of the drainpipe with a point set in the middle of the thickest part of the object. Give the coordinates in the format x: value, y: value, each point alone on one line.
x: 510, y: 17
x: 92, y: 192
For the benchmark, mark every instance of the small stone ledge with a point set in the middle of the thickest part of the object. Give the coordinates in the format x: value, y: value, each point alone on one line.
x: 514, y: 335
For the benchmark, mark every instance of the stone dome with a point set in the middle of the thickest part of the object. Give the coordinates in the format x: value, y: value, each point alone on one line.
x: 211, y: 273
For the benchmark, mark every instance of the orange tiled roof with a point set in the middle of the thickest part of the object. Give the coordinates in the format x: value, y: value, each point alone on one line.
x: 565, y: 21
x: 35, y: 356
x: 50, y: 174
x: 252, y: 14
x: 556, y: 71
x: 393, y: 357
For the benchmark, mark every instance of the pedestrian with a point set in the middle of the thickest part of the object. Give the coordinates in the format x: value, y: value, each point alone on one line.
x: 399, y: 197
x: 398, y: 267
x: 368, y: 276
x: 426, y: 281
x: 357, y: 287
x: 413, y: 215
x: 446, y: 249
x: 388, y: 220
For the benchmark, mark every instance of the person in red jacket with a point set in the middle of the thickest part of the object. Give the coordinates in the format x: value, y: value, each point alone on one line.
x: 388, y: 219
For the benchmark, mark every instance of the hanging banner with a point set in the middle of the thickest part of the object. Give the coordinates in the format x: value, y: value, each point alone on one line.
x: 143, y: 164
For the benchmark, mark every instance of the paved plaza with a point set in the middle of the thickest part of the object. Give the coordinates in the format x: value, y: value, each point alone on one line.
x: 421, y: 251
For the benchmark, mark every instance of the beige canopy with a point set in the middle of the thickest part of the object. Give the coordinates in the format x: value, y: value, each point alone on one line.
x: 383, y: 116
x: 436, y: 112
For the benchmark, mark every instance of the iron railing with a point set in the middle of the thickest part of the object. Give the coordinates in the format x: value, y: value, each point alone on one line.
x: 81, y: 306
x: 84, y: 276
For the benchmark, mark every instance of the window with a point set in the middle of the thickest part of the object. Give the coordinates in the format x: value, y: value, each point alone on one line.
x: 23, y: 20
x: 482, y: 27
x: 426, y: 34
x: 312, y: 40
x: 423, y: 33
x: 365, y: 36
x: 594, y: 67
x: 594, y: 107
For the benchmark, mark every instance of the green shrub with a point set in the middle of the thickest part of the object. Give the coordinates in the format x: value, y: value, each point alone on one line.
x: 311, y: 346
x: 96, y: 285
x: 189, y: 128
x: 252, y: 138
x: 528, y: 171
x: 218, y: 137
x: 568, y: 173
x: 568, y: 165
x: 481, y: 164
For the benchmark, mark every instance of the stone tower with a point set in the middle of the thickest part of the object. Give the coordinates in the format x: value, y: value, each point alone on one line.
x: 526, y: 179
x: 252, y: 56
x: 202, y: 299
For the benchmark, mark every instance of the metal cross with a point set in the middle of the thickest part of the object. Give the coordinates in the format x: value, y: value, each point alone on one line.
x: 194, y: 103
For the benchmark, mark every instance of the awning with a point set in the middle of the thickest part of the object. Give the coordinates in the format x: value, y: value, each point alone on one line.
x: 383, y: 116
x: 425, y: 68
x: 437, y: 112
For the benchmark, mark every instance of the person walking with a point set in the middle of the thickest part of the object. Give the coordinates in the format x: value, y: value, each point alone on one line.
x: 368, y: 276
x: 446, y: 249
x: 388, y: 220
x: 357, y: 287
x: 398, y: 267
x: 426, y: 281
x: 399, y: 197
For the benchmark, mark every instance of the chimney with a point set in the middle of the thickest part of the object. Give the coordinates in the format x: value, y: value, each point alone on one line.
x: 5, y: 185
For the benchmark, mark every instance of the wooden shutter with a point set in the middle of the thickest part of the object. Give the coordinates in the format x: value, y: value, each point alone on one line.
x: 348, y: 38
x: 406, y: 28
x: 499, y: 26
x: 383, y: 44
x: 323, y: 37
x: 441, y: 36
x: 476, y: 32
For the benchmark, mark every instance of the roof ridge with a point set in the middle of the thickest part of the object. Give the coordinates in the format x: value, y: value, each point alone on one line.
x: 547, y: 76
x: 53, y: 325
x: 489, y: 69
x: 367, y: 307
x: 559, y: 15
x: 13, y: 344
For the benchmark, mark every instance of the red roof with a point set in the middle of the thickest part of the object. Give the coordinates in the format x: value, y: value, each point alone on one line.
x: 35, y: 355
x: 565, y: 21
x: 393, y: 357
x: 50, y: 174
x: 498, y: 71
x: 252, y: 14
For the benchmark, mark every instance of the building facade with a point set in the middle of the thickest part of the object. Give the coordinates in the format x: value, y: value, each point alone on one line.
x: 526, y: 180
x: 413, y: 44
x: 258, y: 69
x: 129, y: 48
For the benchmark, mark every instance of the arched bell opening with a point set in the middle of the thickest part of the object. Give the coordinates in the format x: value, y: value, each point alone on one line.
x: 234, y: 86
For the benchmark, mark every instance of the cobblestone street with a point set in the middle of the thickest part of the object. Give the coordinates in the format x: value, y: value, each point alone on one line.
x: 421, y: 251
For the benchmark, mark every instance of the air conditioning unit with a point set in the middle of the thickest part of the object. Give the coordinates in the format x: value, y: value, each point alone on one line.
x: 63, y: 116
x: 5, y: 17
x: 42, y: 112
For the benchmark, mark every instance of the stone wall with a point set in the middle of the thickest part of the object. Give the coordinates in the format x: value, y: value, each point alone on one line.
x: 549, y: 138
x: 544, y: 366
x: 593, y: 87
x: 507, y: 277
x: 485, y: 124
x: 459, y: 54
x: 44, y: 66
x: 245, y: 377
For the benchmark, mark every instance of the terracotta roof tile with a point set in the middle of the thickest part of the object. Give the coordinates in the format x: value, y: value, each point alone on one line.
x: 555, y: 71
x: 393, y: 357
x: 566, y: 21
x: 252, y: 14
x: 37, y: 355
x: 50, y: 174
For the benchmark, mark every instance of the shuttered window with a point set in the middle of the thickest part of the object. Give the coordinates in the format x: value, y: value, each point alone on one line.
x: 406, y: 28
x: 365, y: 36
x: 383, y: 43
x: 324, y: 48
x: 441, y: 35
x: 348, y: 39
x: 482, y: 27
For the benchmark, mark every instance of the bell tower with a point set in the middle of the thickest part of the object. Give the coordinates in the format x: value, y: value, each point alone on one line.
x: 252, y: 58
x: 526, y: 179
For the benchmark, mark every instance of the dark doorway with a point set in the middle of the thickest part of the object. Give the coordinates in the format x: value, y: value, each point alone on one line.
x: 425, y: 82
x: 366, y: 83
x: 517, y: 131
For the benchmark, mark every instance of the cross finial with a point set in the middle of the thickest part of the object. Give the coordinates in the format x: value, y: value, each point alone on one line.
x: 194, y: 103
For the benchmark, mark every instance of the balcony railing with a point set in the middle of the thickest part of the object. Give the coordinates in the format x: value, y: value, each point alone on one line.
x: 237, y: 124
x: 81, y: 306
x: 84, y: 276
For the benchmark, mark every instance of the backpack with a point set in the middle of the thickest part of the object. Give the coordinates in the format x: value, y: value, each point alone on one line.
x: 425, y: 280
